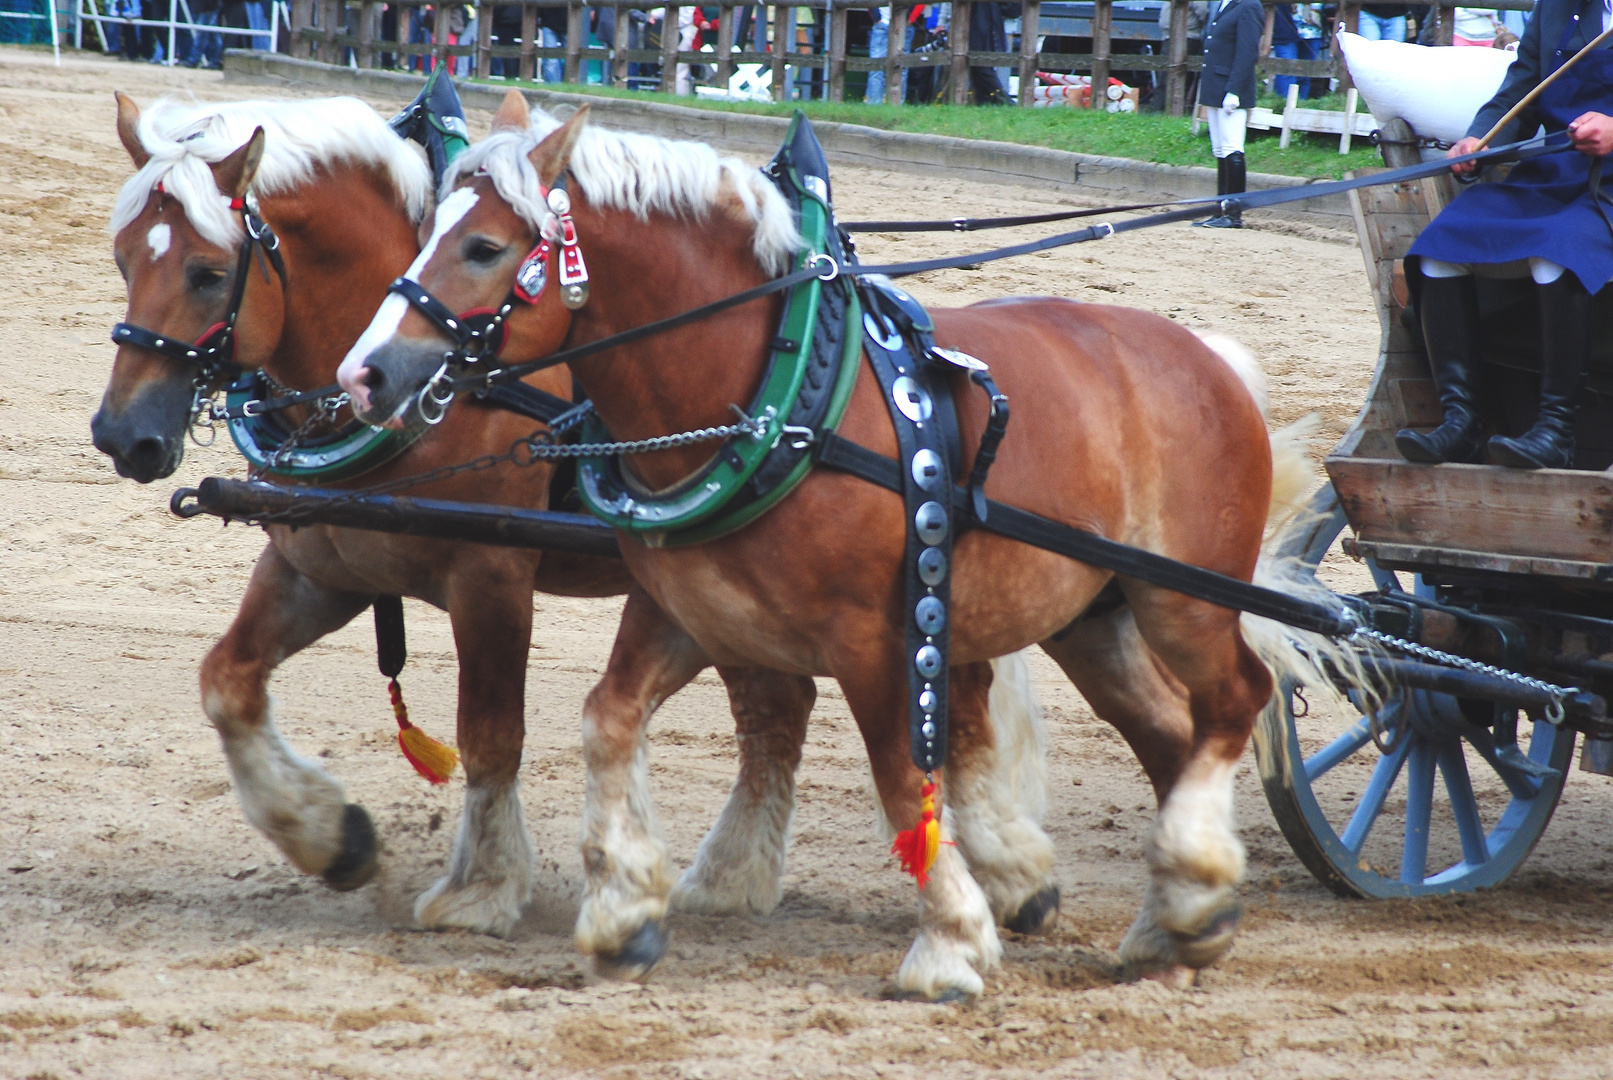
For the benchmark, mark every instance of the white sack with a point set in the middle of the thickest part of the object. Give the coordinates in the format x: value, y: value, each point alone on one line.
x: 1437, y: 91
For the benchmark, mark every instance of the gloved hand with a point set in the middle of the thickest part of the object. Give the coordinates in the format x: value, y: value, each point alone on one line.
x: 1229, y: 104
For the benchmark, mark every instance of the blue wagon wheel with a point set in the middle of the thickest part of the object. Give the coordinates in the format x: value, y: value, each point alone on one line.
x: 1454, y: 800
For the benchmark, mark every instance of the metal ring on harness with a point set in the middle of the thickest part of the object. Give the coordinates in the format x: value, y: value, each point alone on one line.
x: 834, y: 267
x: 435, y: 397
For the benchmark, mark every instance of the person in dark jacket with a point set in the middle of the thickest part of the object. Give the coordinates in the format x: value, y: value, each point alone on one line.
x: 1227, y: 89
x: 1546, y: 221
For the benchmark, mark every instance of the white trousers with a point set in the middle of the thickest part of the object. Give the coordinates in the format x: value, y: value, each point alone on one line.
x: 1544, y: 271
x: 1227, y: 132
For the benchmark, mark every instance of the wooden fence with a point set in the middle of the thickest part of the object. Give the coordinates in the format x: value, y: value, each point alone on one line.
x: 357, y: 26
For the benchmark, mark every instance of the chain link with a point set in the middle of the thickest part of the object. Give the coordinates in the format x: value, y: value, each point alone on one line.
x: 1554, y: 708
x: 528, y: 451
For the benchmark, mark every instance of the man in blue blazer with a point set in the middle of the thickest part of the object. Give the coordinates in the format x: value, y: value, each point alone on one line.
x: 1227, y: 88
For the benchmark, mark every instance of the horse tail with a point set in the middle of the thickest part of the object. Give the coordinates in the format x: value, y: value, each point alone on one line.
x: 1294, y: 656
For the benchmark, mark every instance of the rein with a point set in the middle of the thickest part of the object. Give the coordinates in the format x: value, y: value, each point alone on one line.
x: 443, y: 387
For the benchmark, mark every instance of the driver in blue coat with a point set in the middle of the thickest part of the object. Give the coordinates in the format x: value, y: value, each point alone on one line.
x: 1549, y: 220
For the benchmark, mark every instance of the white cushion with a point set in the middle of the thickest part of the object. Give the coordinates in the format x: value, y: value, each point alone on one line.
x: 1437, y: 91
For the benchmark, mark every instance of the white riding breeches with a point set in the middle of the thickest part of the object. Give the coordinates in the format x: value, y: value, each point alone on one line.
x: 1227, y: 131
x: 1544, y: 271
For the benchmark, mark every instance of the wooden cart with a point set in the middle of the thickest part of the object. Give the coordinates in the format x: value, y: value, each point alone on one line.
x: 1508, y: 567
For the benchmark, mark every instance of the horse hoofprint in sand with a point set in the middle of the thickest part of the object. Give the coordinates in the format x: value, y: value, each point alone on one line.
x: 1100, y: 395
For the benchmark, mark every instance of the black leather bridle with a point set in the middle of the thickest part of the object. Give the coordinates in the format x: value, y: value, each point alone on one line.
x: 213, y: 354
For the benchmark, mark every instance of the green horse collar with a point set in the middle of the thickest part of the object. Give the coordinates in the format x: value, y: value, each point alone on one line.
x: 805, y: 389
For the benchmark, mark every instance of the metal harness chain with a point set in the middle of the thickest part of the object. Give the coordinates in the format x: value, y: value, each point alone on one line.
x: 1554, y: 712
x: 539, y: 446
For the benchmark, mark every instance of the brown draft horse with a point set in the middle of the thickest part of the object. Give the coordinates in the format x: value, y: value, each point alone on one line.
x: 344, y: 195
x: 1124, y: 423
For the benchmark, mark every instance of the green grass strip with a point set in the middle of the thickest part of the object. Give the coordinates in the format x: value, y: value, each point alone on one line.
x: 1140, y: 136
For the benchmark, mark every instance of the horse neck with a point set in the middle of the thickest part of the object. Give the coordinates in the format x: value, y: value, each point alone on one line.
x: 344, y: 238
x: 687, y: 378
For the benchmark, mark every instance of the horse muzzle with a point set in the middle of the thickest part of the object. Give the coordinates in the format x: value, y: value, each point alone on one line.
x: 140, y: 449
x: 387, y: 390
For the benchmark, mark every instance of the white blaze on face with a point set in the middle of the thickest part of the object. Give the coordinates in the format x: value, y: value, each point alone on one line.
x: 160, y: 237
x: 390, y: 315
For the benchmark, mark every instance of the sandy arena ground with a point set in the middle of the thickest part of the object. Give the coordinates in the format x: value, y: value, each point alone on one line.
x: 149, y: 932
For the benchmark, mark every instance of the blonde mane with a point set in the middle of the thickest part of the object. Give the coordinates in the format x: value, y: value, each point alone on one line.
x: 183, y: 139
x: 641, y: 174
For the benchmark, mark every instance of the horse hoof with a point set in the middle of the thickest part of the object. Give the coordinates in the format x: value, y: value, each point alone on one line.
x: 357, y: 863
x: 1036, y: 915
x: 1173, y: 976
x: 641, y: 953
x: 952, y: 995
x: 1201, y: 949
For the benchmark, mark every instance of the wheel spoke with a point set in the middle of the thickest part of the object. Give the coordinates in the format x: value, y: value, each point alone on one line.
x: 1519, y: 783
x: 1383, y: 778
x: 1339, y: 749
x: 1459, y: 786
x: 1419, y: 811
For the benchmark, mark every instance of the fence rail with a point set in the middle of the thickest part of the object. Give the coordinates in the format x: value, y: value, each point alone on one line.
x: 323, y: 29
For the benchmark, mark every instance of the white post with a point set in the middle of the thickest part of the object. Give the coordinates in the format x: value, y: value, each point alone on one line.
x: 1289, y: 108
x: 78, y: 27
x: 274, y: 26
x: 55, y: 32
x: 1350, y: 97
x: 173, y: 15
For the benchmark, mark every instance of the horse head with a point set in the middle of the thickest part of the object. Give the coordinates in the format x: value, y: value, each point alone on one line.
x: 481, y: 254
x: 178, y: 254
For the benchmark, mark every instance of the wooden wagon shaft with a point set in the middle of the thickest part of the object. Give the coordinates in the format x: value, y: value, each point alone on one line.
x: 507, y: 526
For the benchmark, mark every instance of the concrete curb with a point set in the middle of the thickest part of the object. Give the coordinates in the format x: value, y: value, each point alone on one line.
x: 939, y: 156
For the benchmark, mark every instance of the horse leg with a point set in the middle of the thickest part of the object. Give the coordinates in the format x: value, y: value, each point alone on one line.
x: 998, y: 819
x: 957, y: 938
x: 740, y: 861
x: 489, y: 878
x: 1184, y: 693
x: 624, y: 855
x: 288, y: 798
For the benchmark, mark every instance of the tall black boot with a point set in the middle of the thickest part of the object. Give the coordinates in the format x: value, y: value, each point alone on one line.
x: 1565, y: 338
x: 1220, y: 188
x: 1450, y: 314
x: 1232, y: 183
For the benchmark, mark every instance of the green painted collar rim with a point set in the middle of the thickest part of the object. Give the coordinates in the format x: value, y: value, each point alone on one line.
x: 351, y: 455
x: 671, y: 517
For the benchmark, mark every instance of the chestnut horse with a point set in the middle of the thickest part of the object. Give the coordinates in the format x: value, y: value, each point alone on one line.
x: 1124, y: 424
x: 345, y: 196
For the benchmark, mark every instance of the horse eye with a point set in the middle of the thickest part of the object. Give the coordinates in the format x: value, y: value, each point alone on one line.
x: 205, y: 277
x: 484, y: 252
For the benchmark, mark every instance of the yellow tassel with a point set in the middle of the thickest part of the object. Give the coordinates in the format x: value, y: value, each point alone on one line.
x: 917, y: 847
x: 430, y: 758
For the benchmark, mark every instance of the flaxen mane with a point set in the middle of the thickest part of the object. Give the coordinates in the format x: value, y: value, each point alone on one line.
x: 641, y: 174
x: 184, y: 138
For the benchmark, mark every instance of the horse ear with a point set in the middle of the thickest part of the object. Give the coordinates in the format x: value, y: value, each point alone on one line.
x: 128, y: 129
x: 551, y: 155
x: 234, y: 174
x: 513, y: 114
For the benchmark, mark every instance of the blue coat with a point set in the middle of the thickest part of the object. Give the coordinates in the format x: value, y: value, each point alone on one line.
x: 1545, y: 208
x: 1231, y: 49
x: 1556, y: 30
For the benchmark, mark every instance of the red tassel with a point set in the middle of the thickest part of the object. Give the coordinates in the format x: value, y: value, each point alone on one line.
x: 917, y: 847
x: 430, y: 758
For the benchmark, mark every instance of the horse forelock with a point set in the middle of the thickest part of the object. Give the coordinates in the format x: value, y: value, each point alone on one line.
x: 185, y: 139
x: 640, y: 174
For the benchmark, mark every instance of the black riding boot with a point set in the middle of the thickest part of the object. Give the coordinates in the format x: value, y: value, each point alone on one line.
x: 1231, y: 173
x: 1565, y: 337
x: 1450, y: 315
x: 1220, y: 188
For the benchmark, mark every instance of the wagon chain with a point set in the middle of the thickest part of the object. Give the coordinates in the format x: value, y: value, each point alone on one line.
x: 1554, y: 711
